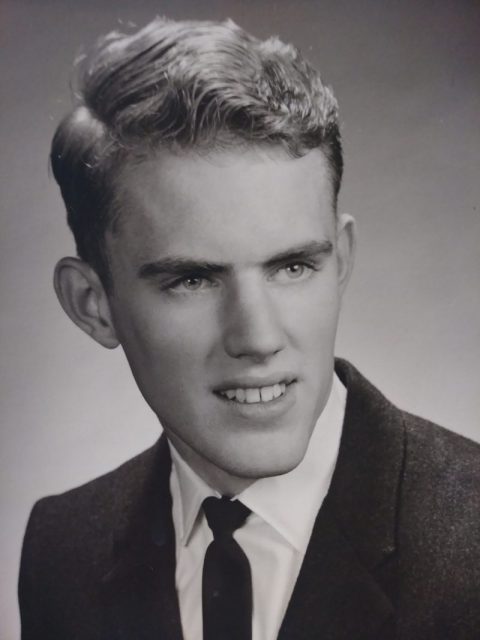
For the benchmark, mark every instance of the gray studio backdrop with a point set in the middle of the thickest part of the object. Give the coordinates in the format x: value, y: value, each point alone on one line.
x: 407, y: 78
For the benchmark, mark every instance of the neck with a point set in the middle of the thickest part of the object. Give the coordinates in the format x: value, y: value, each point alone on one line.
x: 227, y: 484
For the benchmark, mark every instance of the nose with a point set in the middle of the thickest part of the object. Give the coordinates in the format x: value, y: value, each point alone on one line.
x: 252, y: 323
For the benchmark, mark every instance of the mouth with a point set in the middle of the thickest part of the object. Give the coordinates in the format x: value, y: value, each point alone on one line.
x: 255, y: 395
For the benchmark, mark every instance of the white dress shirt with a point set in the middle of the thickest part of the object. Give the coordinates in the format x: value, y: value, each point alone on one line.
x: 275, y: 535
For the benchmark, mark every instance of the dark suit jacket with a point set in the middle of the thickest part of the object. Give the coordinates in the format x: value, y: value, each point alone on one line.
x: 395, y: 550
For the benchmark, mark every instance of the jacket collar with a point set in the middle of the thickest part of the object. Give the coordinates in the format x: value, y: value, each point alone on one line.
x: 346, y: 585
x: 364, y: 493
x: 343, y: 590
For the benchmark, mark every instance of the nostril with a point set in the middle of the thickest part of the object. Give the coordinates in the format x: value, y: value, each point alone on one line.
x: 255, y: 351
x: 255, y: 337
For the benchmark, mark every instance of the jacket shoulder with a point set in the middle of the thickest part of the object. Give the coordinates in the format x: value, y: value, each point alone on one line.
x: 439, y: 527
x: 67, y: 549
x: 441, y: 487
x: 95, y: 502
x: 442, y: 464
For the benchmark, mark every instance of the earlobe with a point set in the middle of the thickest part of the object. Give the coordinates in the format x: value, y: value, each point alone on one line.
x: 346, y: 245
x: 84, y: 300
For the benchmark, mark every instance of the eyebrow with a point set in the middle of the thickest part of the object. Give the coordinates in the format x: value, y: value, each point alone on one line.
x: 179, y: 266
x: 307, y: 251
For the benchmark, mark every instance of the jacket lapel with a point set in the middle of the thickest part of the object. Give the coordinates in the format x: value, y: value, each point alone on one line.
x: 140, y: 599
x: 346, y: 587
x: 335, y: 596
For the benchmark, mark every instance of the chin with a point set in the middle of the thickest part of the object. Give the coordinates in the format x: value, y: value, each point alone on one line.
x: 276, y: 465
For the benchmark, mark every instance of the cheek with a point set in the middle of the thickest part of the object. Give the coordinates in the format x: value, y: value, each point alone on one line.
x: 312, y: 317
x: 166, y: 348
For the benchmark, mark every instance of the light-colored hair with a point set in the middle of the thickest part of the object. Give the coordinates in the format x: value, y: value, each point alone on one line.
x: 182, y: 85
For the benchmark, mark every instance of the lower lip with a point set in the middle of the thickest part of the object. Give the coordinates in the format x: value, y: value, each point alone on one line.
x: 262, y: 411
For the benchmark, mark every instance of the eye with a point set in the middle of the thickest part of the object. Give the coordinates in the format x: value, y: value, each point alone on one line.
x: 190, y: 284
x: 295, y: 270
x: 292, y: 271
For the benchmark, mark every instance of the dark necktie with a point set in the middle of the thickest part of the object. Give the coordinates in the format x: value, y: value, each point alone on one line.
x: 227, y: 580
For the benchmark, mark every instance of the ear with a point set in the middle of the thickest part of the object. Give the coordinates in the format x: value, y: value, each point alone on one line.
x: 84, y: 300
x: 346, y: 244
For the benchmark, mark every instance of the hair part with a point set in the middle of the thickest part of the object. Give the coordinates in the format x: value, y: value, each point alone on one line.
x: 178, y: 86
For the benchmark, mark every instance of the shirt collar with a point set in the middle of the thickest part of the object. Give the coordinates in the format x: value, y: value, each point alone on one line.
x: 192, y: 491
x: 276, y: 499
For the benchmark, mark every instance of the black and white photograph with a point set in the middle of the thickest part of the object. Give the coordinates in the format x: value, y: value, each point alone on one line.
x: 240, y: 321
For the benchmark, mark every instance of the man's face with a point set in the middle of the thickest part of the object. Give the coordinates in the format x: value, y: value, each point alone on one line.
x: 227, y: 276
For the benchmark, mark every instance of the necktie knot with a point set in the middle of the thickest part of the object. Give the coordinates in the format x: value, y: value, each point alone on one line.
x: 224, y: 516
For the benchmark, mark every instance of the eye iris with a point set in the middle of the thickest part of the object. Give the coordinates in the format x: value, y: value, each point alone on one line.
x: 192, y: 283
x: 295, y: 270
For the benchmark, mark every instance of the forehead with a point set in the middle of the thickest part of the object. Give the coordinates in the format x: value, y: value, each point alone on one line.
x: 182, y: 202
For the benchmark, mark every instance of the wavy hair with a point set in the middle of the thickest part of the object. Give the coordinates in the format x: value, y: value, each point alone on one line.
x: 182, y: 85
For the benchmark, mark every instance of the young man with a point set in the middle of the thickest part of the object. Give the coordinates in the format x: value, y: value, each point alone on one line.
x: 286, y: 498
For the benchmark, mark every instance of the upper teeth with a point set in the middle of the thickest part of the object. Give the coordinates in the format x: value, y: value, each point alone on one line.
x: 259, y: 394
